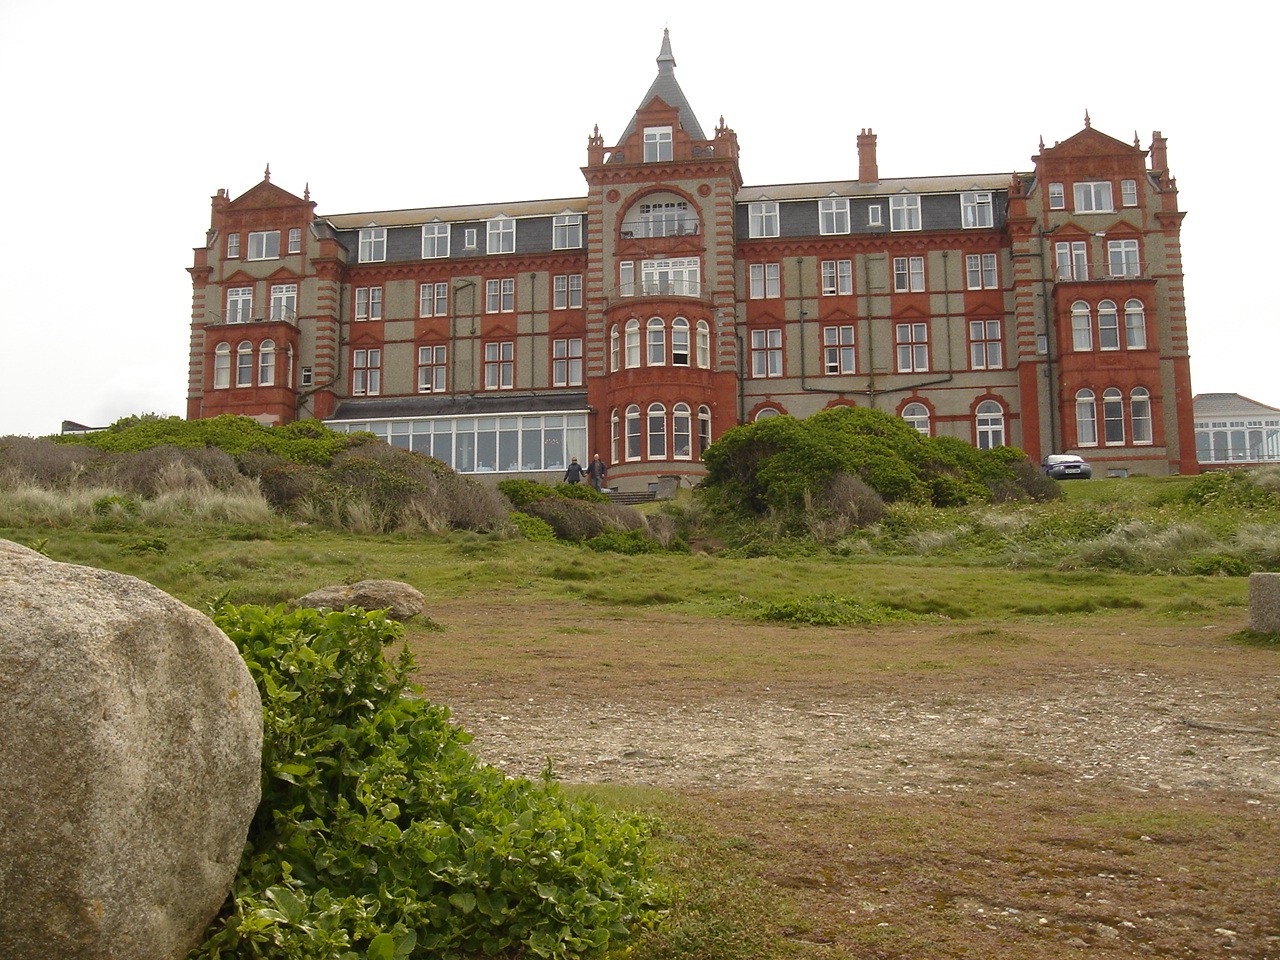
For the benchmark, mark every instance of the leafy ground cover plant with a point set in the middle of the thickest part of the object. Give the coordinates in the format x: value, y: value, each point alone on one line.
x: 379, y: 835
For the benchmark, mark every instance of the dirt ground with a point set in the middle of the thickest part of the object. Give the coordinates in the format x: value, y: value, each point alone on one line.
x: 1056, y: 758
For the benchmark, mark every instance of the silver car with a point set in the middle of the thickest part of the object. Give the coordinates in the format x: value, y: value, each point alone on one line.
x: 1066, y: 466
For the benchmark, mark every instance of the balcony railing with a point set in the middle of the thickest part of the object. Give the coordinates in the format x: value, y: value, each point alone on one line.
x: 1107, y: 271
x: 661, y: 227
x: 664, y: 287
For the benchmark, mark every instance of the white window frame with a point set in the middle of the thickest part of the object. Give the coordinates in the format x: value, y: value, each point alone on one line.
x: 989, y: 424
x: 469, y: 241
x: 626, y: 278
x: 839, y: 350
x: 499, y: 365
x: 658, y: 145
x: 267, y: 363
x: 680, y: 277
x: 433, y: 299
x: 912, y: 342
x: 239, y: 304
x: 233, y: 246
x: 875, y: 216
x: 566, y: 362
x: 1081, y: 327
x: 1057, y: 197
x: 766, y: 353
x: 566, y: 232
x: 433, y: 368
x: 615, y: 351
x: 837, y: 278
x: 284, y: 302
x: 222, y: 366
x: 656, y: 432
x: 765, y: 281
x: 500, y: 295
x: 1128, y: 193
x: 634, y: 445
x: 1108, y: 326
x: 977, y: 210
x: 1113, y: 417
x: 656, y: 342
x: 917, y: 414
x: 264, y: 245
x: 680, y: 342
x: 631, y: 351
x: 295, y: 239
x: 704, y: 344
x: 833, y: 216
x: 1086, y: 418
x: 1072, y: 259
x: 681, y: 432
x: 366, y: 372
x: 908, y: 274
x: 1093, y: 196
x: 1135, y: 325
x: 244, y: 364
x: 1140, y: 415
x: 986, y: 345
x: 981, y: 271
x: 904, y: 212
x: 566, y: 291
x: 762, y: 219
x: 435, y: 240
x: 368, y: 304
x: 1122, y: 258
x: 500, y: 236
x: 373, y: 244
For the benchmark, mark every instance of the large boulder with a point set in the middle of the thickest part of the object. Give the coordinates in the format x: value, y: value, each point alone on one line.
x: 129, y: 764
x: 401, y: 601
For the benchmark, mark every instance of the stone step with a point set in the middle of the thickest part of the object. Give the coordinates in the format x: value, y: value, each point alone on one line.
x: 632, y: 497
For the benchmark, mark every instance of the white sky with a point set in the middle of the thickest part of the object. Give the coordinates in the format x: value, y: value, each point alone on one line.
x: 120, y: 120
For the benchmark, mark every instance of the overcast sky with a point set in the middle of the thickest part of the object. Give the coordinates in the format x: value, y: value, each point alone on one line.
x: 121, y: 120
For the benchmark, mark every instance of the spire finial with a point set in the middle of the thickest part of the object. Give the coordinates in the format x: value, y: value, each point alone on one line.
x: 1136, y: 142
x: 306, y: 191
x: 266, y: 174
x: 1087, y: 122
x: 1042, y: 143
x: 666, y: 59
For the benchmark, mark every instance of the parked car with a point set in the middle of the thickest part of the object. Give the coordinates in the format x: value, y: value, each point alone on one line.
x: 1066, y: 466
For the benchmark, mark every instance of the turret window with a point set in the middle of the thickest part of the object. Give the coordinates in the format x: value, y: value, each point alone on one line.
x: 267, y: 363
x: 657, y: 144
x: 680, y: 342
x: 244, y: 364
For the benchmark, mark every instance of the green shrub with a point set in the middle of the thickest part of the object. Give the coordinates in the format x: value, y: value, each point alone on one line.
x: 572, y: 520
x: 380, y: 836
x: 624, y: 541
x: 522, y: 492
x: 580, y: 491
x: 1229, y: 488
x: 825, y: 609
x: 115, y: 505
x: 532, y: 528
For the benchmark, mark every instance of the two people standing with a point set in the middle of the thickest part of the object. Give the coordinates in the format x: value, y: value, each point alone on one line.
x: 594, y: 472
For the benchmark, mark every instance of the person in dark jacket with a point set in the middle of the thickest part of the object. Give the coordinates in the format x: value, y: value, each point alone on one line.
x: 574, y: 473
x: 596, y: 471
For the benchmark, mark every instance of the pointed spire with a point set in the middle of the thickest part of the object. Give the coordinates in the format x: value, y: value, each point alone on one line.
x: 306, y: 191
x: 1042, y: 143
x: 666, y: 60
x: 266, y: 174
x: 1087, y: 122
x: 1137, y: 144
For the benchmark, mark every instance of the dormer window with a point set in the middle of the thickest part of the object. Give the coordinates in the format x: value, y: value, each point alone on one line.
x: 975, y: 209
x: 566, y: 232
x: 373, y: 244
x: 657, y: 144
x: 762, y: 219
x: 502, y: 236
x: 833, y: 216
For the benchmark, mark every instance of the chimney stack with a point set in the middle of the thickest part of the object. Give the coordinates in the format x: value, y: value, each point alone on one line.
x: 1159, y: 153
x: 868, y: 169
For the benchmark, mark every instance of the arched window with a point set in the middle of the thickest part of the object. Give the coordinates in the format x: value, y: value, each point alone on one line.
x: 657, y: 342
x: 704, y: 429
x: 657, y: 431
x: 615, y: 349
x: 244, y: 364
x: 768, y: 413
x: 614, y: 428
x: 1113, y: 416
x: 917, y: 414
x: 288, y: 370
x: 222, y: 366
x: 1086, y: 418
x: 681, y: 432
x: 267, y: 363
x: 633, y: 343
x: 1140, y: 414
x: 1081, y: 327
x: 704, y: 344
x: 680, y: 342
x: 633, y: 432
x: 989, y: 420
x: 1108, y: 326
x: 1135, y: 325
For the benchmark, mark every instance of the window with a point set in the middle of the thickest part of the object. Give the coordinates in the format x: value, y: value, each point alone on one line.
x: 981, y: 271
x: 306, y: 376
x: 264, y: 245
x: 239, y: 304
x: 904, y: 213
x: 433, y: 300
x: 366, y: 373
x: 833, y: 216
x: 1128, y: 193
x: 1108, y: 326
x: 913, y: 347
x: 837, y: 278
x: 766, y: 353
x: 671, y: 277
x: 1113, y: 416
x: 661, y: 218
x: 1093, y: 197
x: 1135, y: 325
x: 1081, y: 327
x: 704, y: 344
x: 1122, y: 256
x: 1057, y: 197
x: 233, y: 245
x: 244, y: 364
x: 1073, y: 260
x: 762, y: 219
x: 566, y: 232
x: 917, y: 414
x: 626, y: 278
x: 657, y: 144
x: 681, y: 431
x: 431, y: 368
x: 469, y: 238
x: 614, y: 431
x: 435, y: 241
x: 704, y: 429
x: 1140, y: 414
x: 657, y: 431
x: 976, y: 210
x: 615, y: 351
x: 633, y: 432
x: 222, y: 366
x: 566, y: 363
x: 373, y: 244
x: 838, y: 353
x: 501, y: 236
x: 1086, y: 418
x: 267, y: 363
x: 989, y: 420
x: 500, y: 295
x: 680, y: 342
x: 295, y: 240
x: 657, y: 342
x: 499, y: 365
x: 633, y: 343
x: 985, y: 345
x: 765, y: 281
x: 567, y: 291
x: 368, y: 303
x: 284, y: 302
x: 908, y: 274
x: 874, y: 217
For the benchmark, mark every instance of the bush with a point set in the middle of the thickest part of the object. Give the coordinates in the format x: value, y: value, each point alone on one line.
x: 532, y: 528
x: 523, y: 492
x: 380, y: 836
x: 43, y: 462
x: 624, y: 541
x: 572, y: 520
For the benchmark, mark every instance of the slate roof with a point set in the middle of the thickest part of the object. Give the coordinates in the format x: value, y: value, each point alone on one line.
x: 1217, y: 406
x: 665, y: 86
x: 457, y: 405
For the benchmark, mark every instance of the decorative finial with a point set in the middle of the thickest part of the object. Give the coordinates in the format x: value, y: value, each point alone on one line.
x: 595, y: 131
x: 266, y: 174
x: 1042, y: 143
x: 1087, y: 122
x: 666, y: 60
x: 1137, y: 144
x: 306, y: 191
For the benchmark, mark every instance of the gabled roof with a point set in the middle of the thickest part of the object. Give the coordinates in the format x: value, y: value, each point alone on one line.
x: 1209, y: 406
x: 265, y: 195
x: 1089, y: 142
x: 856, y: 188
x: 668, y: 90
